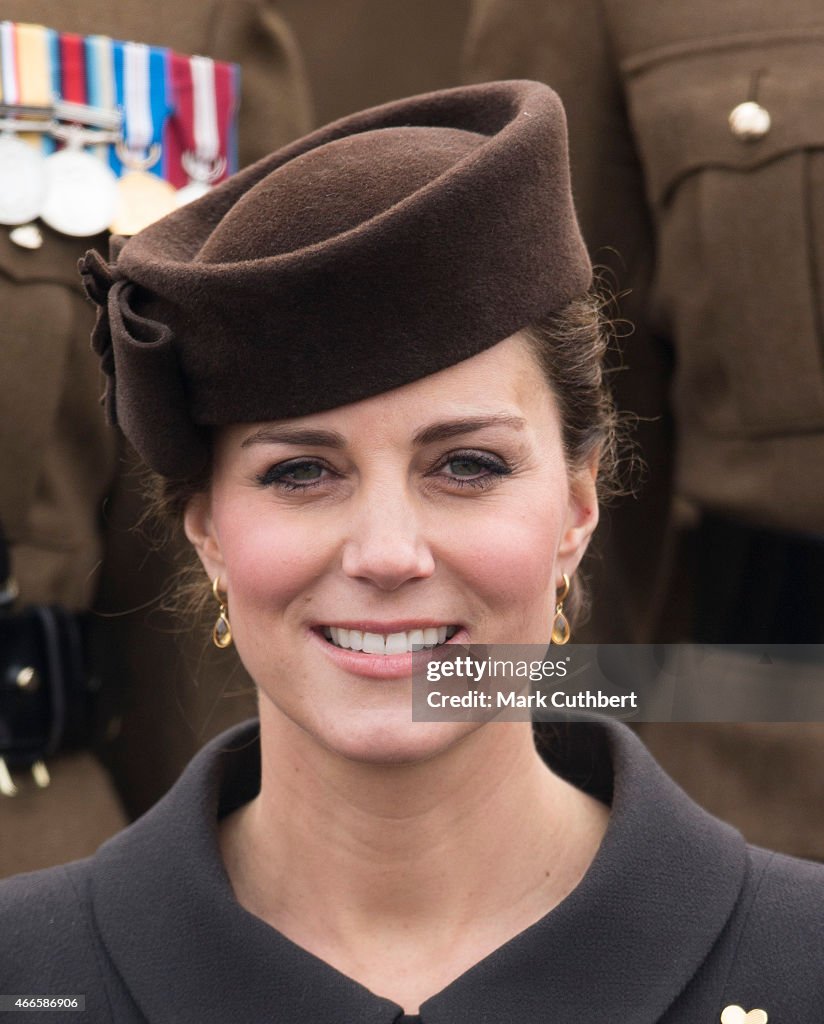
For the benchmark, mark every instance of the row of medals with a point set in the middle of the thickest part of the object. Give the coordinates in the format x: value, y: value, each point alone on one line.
x: 76, y: 193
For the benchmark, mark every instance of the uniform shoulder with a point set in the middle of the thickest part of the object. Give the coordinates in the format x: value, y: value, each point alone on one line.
x: 47, y: 941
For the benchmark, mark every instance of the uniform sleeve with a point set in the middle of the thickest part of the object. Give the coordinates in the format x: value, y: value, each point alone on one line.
x: 566, y: 44
x: 59, y: 458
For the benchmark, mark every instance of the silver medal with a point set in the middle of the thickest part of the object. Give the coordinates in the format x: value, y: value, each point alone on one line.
x: 22, y: 181
x: 81, y: 193
x: 202, y: 174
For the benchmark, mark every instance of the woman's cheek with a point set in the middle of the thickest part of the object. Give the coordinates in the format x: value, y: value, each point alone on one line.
x: 269, y: 559
x: 512, y: 561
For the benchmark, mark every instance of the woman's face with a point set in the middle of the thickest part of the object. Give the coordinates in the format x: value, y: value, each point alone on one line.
x: 445, y: 504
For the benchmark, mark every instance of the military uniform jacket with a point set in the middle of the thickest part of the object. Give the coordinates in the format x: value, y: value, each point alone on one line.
x: 719, y: 240
x: 59, y: 458
x: 718, y: 218
x: 676, y: 920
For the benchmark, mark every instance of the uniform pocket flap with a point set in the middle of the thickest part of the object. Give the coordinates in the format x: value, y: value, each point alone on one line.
x: 681, y: 98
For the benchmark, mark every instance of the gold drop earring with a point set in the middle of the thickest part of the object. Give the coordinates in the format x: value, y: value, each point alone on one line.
x: 222, y: 632
x: 561, y: 631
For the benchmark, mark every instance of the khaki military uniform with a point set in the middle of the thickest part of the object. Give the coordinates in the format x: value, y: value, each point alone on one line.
x: 716, y: 225
x: 59, y: 459
x: 359, y: 53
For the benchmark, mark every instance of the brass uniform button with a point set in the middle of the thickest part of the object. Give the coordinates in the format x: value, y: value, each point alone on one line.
x: 749, y: 121
x: 28, y: 679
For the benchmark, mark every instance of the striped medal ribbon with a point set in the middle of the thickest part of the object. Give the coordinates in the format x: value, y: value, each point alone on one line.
x: 22, y: 163
x: 101, y: 91
x: 81, y: 192
x: 203, y: 161
x: 143, y: 194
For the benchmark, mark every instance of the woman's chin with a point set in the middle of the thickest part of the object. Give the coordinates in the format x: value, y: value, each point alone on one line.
x: 370, y: 741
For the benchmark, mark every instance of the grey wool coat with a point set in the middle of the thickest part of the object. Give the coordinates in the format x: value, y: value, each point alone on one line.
x: 676, y: 921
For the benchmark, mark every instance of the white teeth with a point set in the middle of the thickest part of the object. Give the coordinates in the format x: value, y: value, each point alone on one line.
x: 393, y: 643
x: 396, y: 644
x: 373, y: 643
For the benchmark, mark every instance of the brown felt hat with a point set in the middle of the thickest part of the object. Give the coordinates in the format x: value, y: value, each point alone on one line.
x: 371, y: 253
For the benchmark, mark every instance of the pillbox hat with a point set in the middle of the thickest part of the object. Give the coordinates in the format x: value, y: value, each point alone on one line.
x: 373, y: 252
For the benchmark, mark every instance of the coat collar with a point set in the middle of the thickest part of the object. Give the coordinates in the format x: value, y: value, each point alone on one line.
x: 628, y: 939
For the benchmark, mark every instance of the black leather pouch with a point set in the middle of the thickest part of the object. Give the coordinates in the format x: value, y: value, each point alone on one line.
x: 46, y: 696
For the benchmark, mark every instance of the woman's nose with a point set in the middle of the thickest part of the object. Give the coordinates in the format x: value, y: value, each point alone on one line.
x: 385, y: 544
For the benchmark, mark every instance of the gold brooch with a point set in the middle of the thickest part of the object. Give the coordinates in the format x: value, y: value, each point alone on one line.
x: 738, y: 1015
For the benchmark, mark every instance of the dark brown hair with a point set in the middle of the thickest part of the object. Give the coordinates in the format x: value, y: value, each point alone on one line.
x: 571, y: 348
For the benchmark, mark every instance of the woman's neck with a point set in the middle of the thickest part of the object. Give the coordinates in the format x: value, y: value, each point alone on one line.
x: 435, y: 864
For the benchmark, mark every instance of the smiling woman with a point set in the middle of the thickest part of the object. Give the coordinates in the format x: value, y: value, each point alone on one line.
x: 369, y: 372
x: 443, y: 511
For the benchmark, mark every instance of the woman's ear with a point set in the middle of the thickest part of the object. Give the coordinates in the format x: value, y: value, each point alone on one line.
x: 582, y: 518
x: 199, y: 528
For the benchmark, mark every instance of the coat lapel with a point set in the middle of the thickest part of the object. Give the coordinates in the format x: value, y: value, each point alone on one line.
x: 630, y: 937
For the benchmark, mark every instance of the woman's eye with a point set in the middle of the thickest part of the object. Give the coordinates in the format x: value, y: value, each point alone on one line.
x: 460, y: 469
x: 473, y: 469
x: 465, y: 466
x: 295, y: 475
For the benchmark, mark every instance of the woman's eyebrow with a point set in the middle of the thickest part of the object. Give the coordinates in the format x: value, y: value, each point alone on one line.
x: 332, y: 439
x: 452, y: 428
x: 295, y: 435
